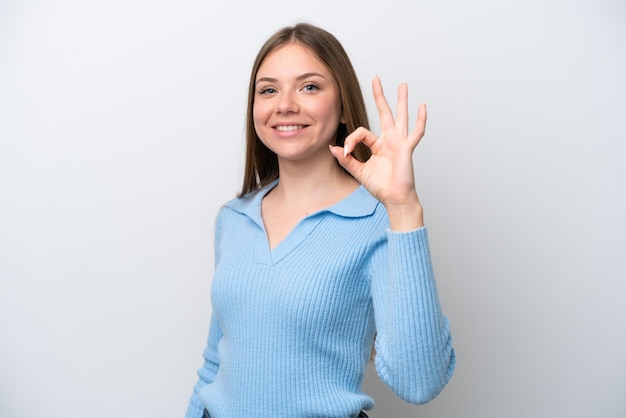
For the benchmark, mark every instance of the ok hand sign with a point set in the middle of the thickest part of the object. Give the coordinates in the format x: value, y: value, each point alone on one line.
x: 388, y: 174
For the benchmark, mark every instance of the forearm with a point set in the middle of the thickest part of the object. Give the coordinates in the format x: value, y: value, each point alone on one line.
x: 414, y: 347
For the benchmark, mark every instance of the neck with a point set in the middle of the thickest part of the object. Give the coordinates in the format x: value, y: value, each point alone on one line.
x: 311, y: 181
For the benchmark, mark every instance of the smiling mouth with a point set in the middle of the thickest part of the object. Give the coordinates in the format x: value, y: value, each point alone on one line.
x: 289, y: 128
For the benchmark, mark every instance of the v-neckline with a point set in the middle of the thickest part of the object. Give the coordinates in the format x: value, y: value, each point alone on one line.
x: 302, y: 222
x: 295, y: 235
x: 357, y: 203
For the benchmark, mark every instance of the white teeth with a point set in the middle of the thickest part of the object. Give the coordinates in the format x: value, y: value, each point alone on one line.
x: 282, y: 128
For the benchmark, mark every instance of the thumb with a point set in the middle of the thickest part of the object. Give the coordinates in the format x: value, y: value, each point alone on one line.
x: 351, y: 164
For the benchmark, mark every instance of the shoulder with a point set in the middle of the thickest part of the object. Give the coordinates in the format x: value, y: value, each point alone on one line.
x: 359, y: 204
x: 249, y: 204
x: 363, y: 214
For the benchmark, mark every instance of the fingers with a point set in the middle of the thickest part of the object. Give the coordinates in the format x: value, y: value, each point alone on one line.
x: 389, y: 124
x: 402, y: 111
x: 343, y: 155
x: 387, y: 121
x: 384, y: 111
x: 420, y: 125
x: 359, y: 135
x: 347, y: 161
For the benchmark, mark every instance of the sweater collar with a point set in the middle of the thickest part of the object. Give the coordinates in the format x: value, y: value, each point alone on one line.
x: 359, y: 203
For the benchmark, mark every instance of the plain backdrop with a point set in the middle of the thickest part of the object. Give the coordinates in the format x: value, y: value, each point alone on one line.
x: 121, y: 134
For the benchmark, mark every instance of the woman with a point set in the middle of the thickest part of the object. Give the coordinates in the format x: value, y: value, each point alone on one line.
x: 324, y: 251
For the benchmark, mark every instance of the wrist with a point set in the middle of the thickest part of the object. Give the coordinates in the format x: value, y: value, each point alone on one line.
x: 405, y: 216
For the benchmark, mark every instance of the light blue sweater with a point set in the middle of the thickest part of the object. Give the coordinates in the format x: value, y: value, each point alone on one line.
x: 292, y: 328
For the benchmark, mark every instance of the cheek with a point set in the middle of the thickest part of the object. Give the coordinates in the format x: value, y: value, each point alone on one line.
x: 334, y: 110
x: 258, y: 117
x: 331, y: 114
x: 256, y: 111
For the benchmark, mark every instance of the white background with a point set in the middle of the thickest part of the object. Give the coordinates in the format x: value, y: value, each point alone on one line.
x: 121, y: 134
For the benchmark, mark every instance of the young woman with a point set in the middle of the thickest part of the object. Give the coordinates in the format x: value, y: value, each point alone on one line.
x: 324, y: 254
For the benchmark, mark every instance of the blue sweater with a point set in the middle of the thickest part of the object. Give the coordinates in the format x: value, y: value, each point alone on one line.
x: 292, y: 328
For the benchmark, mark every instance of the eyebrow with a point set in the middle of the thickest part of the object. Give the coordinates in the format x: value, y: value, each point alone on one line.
x: 299, y: 78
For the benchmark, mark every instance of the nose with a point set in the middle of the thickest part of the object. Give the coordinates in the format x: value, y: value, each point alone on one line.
x: 287, y: 103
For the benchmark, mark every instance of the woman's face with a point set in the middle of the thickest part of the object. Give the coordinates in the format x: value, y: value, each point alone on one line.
x: 297, y: 104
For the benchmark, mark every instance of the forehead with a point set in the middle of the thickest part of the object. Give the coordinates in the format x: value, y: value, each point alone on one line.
x: 291, y: 59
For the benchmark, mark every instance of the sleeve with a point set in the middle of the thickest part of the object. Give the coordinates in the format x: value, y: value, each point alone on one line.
x: 210, y: 366
x: 414, y: 353
x: 208, y: 371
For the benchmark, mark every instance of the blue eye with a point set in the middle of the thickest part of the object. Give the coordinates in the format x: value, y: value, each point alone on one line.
x: 267, y: 90
x: 311, y: 87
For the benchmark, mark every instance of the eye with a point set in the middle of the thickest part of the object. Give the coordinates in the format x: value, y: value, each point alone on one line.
x: 310, y: 87
x: 267, y: 91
